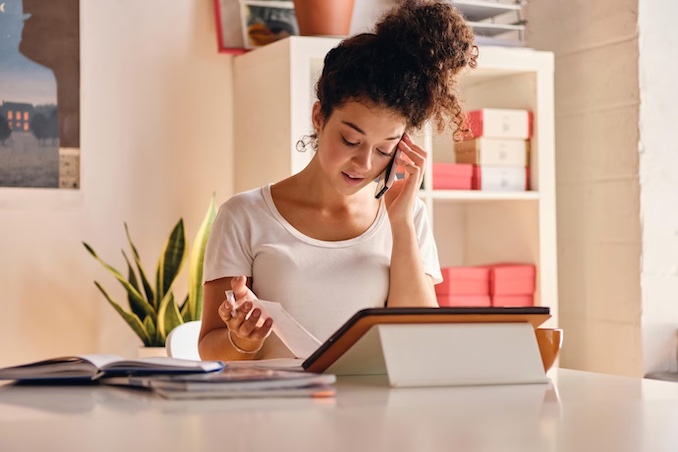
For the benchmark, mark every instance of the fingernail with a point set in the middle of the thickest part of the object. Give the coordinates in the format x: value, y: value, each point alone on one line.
x: 256, y: 314
x: 248, y: 305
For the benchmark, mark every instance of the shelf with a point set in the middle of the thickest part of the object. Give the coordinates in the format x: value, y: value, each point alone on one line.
x: 488, y: 29
x: 477, y: 195
x: 477, y: 10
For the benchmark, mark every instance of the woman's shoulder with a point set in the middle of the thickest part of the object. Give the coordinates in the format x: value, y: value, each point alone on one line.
x: 246, y: 199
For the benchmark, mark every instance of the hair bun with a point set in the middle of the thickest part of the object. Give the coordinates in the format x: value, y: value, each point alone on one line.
x: 431, y: 33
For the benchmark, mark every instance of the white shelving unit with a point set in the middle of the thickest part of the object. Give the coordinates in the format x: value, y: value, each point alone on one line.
x: 274, y: 92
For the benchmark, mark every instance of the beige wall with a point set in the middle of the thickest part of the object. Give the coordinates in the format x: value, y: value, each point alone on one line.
x: 597, y: 134
x: 156, y: 141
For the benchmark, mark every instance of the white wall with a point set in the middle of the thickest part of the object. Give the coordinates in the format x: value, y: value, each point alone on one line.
x: 658, y: 146
x: 156, y: 131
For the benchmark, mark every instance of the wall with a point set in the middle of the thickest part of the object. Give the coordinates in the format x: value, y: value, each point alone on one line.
x: 658, y: 41
x: 598, y: 191
x: 156, y: 142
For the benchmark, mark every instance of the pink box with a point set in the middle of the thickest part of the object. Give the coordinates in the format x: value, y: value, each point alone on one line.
x: 504, y: 301
x: 464, y: 281
x: 464, y: 300
x: 501, y: 123
x: 452, y: 176
x: 512, y: 279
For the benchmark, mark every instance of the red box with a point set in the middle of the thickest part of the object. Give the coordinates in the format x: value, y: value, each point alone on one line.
x: 501, y: 123
x: 464, y: 281
x: 504, y: 301
x: 483, y: 301
x: 512, y: 279
x: 452, y: 176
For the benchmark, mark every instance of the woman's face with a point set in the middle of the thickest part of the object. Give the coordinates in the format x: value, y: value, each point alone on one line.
x: 356, y: 143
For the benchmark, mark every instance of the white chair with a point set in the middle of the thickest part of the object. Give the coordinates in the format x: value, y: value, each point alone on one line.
x: 182, y: 341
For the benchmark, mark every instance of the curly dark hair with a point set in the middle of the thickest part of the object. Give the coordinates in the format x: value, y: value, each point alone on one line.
x: 407, y: 65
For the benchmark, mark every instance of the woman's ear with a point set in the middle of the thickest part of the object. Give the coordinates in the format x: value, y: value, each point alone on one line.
x: 317, y: 117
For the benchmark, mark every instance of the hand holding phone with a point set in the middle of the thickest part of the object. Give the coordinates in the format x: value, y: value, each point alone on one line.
x: 387, y: 178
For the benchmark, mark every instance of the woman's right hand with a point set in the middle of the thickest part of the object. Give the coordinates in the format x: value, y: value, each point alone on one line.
x: 245, y: 332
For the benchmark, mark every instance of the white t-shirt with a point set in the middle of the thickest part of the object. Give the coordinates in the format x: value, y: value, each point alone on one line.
x: 320, y: 283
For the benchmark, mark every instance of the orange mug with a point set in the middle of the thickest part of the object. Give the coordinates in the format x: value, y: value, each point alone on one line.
x: 549, y: 340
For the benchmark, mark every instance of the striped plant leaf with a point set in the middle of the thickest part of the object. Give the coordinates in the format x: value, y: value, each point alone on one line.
x: 131, y: 319
x: 148, y: 290
x: 136, y: 297
x: 171, y: 260
x: 152, y: 332
x: 169, y: 316
x: 132, y: 278
x: 195, y: 266
x: 184, y: 311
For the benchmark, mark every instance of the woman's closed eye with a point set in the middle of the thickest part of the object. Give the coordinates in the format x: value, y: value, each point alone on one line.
x: 349, y: 143
x: 352, y: 145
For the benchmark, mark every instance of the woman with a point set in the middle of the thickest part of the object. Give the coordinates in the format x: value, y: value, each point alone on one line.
x: 320, y: 242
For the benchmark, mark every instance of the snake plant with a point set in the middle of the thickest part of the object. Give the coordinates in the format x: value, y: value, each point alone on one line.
x: 153, y: 308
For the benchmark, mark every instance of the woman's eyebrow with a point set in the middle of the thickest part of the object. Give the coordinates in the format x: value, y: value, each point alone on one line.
x: 359, y: 130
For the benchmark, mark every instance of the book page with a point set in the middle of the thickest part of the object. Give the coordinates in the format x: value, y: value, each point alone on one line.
x: 295, y: 337
x: 101, y: 359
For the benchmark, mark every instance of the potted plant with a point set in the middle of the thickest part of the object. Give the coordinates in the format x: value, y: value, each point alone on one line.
x: 324, y: 17
x: 153, y: 308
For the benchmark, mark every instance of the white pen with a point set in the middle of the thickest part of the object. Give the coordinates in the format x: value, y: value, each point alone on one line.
x: 231, y: 299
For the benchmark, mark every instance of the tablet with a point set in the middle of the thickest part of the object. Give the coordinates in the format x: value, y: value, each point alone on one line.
x: 363, y: 320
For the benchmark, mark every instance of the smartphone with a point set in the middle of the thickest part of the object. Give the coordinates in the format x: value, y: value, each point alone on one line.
x: 387, y: 178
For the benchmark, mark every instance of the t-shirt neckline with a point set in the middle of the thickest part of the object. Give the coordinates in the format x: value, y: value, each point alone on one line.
x: 381, y: 215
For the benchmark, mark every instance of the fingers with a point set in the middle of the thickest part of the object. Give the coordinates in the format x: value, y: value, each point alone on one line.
x: 244, y: 323
x: 413, y: 157
x: 239, y: 286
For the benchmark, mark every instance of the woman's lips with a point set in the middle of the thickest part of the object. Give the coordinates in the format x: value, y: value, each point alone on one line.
x: 352, y: 180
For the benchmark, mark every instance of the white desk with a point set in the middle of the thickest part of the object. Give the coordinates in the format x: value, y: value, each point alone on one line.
x: 579, y: 412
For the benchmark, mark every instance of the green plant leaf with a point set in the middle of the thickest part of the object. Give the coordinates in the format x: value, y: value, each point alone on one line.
x: 171, y: 260
x: 152, y: 332
x: 148, y: 290
x: 184, y: 310
x: 136, y: 297
x: 132, y: 278
x: 131, y: 319
x: 169, y: 316
x: 192, y: 310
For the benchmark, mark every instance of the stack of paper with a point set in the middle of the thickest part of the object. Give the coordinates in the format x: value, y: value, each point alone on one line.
x: 236, y: 381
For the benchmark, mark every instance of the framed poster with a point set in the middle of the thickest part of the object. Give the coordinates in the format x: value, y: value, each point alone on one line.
x: 247, y: 24
x: 40, y: 93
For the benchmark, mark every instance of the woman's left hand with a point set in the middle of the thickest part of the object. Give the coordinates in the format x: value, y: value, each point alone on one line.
x: 401, y: 196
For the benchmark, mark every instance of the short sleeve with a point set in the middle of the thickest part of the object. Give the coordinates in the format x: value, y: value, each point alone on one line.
x: 228, y: 251
x: 427, y: 244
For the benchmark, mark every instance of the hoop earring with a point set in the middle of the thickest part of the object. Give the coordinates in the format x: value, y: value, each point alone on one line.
x: 307, y: 142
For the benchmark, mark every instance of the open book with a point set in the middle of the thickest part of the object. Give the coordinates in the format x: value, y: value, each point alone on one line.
x: 93, y: 367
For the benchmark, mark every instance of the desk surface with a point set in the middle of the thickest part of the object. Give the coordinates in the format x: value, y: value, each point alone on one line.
x: 577, y: 411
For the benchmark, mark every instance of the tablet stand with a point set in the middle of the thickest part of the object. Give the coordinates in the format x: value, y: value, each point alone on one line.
x: 446, y: 354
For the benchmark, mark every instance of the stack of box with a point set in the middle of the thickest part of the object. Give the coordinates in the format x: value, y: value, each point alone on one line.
x: 498, y: 149
x: 464, y: 286
x: 512, y: 284
x: 452, y: 176
x: 500, y: 285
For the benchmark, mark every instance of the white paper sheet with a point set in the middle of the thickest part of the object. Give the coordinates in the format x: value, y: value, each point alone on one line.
x: 295, y: 337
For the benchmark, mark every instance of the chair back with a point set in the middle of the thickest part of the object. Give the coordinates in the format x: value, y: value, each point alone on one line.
x: 182, y: 341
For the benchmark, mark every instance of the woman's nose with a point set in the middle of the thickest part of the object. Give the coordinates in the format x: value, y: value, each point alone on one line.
x: 362, y: 160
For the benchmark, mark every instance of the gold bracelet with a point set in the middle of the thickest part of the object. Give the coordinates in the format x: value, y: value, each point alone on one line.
x: 240, y: 350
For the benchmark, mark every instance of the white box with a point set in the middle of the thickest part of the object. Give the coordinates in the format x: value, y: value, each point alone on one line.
x: 500, y: 178
x: 500, y: 123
